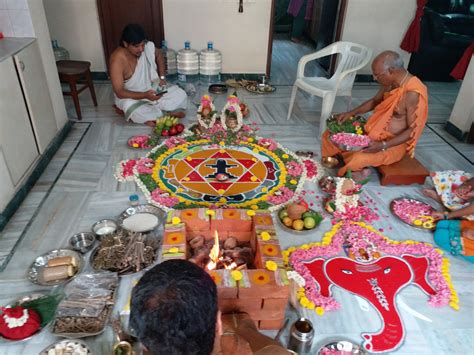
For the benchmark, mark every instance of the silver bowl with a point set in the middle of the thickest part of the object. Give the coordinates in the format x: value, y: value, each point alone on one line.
x: 348, y: 148
x: 343, y: 345
x: 82, y: 242
x: 104, y: 227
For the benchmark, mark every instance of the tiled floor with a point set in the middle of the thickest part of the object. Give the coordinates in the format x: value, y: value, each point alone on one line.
x: 78, y: 188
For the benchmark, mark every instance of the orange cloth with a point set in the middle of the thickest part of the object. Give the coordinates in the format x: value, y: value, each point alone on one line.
x: 376, y: 128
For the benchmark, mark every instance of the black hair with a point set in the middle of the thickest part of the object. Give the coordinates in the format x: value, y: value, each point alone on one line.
x: 133, y: 34
x: 174, y: 309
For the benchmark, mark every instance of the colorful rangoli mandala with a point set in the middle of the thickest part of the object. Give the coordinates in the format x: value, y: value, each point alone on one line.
x: 230, y: 175
x: 188, y: 171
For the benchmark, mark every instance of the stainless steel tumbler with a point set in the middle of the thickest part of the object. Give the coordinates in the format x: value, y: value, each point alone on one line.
x: 301, y: 336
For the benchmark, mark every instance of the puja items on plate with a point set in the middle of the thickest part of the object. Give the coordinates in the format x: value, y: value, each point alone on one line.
x: 67, y: 347
x: 298, y: 217
x: 413, y: 212
x: 125, y: 252
x: 142, y: 142
x: 85, y: 309
x: 354, y: 124
x: 60, y: 268
x: 350, y: 141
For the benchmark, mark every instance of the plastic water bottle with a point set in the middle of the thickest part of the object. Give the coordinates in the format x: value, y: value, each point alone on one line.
x: 188, y: 65
x: 170, y: 61
x: 210, y: 64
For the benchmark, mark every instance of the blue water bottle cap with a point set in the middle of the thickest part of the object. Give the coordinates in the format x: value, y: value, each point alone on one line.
x: 187, y: 45
x: 133, y: 198
x: 164, y: 45
x: 210, y: 46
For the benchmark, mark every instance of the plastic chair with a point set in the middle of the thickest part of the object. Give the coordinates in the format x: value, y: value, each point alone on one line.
x: 353, y: 57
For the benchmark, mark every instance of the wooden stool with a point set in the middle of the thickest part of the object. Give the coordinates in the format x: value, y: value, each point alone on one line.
x: 71, y: 71
x: 405, y: 172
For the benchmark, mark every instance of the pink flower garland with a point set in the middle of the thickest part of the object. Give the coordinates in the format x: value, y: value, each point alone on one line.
x: 139, y: 142
x: 383, y: 244
x: 294, y: 169
x: 145, y: 166
x: 127, y: 168
x: 358, y: 213
x: 351, y: 139
x: 174, y: 141
x: 311, y: 169
x: 163, y: 198
x: 280, y: 196
x: 268, y: 143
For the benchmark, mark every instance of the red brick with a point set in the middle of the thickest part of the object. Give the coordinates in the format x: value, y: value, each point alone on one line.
x: 275, y: 303
x: 239, y: 305
x: 271, y: 324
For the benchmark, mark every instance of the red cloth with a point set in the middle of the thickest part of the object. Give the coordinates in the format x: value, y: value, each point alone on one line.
x: 460, y: 69
x: 411, y: 41
x: 21, y: 332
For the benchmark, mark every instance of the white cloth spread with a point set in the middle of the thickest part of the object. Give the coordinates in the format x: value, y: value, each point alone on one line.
x: 144, y: 78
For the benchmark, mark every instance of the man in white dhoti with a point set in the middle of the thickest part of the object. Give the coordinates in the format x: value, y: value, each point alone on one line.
x: 137, y: 71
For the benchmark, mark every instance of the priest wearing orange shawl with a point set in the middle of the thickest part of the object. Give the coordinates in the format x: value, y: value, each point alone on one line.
x: 400, y: 111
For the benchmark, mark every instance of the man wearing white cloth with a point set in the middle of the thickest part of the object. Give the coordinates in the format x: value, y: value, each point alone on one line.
x: 137, y: 71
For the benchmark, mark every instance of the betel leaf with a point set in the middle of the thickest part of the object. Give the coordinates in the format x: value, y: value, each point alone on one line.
x: 45, y: 307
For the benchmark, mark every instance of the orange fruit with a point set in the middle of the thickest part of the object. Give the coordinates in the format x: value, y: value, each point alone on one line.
x: 298, y: 224
x: 287, y: 221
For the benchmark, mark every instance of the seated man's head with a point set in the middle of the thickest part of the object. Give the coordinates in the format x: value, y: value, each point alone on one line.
x: 174, y: 309
x: 386, y: 67
x: 133, y: 39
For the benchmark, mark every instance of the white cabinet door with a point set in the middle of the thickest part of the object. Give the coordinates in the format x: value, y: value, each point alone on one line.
x: 7, y: 189
x: 16, y: 136
x: 35, y: 88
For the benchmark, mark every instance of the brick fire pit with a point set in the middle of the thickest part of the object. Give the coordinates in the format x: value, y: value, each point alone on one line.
x: 263, y: 294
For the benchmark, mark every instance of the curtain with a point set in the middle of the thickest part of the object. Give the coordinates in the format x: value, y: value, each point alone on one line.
x: 459, y: 70
x: 411, y: 41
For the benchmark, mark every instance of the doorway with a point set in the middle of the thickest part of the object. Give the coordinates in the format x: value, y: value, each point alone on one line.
x: 114, y: 15
x: 319, y: 32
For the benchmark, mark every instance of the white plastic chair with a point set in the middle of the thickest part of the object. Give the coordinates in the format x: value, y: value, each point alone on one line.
x: 353, y: 57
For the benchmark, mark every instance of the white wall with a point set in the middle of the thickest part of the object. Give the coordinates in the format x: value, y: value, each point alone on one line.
x: 15, y: 20
x: 38, y: 19
x: 242, y: 38
x: 462, y: 115
x: 75, y: 24
x: 378, y: 24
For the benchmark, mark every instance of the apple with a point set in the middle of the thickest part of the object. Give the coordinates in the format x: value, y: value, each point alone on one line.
x: 173, y: 131
x: 180, y: 127
x: 165, y: 133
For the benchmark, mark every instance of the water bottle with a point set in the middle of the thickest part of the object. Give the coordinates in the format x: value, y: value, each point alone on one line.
x: 133, y: 199
x: 170, y: 61
x: 188, y: 65
x: 210, y: 64
x: 301, y: 336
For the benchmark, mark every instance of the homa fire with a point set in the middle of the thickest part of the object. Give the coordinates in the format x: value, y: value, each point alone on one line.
x: 225, y: 240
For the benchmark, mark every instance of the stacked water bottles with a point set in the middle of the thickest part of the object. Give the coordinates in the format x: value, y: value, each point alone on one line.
x: 210, y: 64
x: 188, y: 64
x: 170, y: 60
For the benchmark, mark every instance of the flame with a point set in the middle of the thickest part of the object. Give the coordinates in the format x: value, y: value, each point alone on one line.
x: 231, y: 266
x: 214, y: 253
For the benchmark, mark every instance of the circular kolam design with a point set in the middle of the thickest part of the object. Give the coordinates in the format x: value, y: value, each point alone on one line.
x: 233, y: 175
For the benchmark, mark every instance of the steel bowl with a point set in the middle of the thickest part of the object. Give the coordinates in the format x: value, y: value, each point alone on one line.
x: 218, y: 88
x: 345, y: 147
x: 82, y: 242
x: 104, y: 227
x: 343, y: 346
x: 327, y: 184
x: 329, y: 162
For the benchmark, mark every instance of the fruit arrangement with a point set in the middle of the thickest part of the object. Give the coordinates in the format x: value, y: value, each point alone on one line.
x: 168, y: 126
x: 299, y: 217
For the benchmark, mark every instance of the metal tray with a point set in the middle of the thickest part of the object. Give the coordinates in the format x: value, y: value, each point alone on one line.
x: 19, y: 302
x: 142, y: 209
x: 347, y: 346
x: 392, y: 210
x: 35, y: 271
x: 291, y: 230
x: 347, y: 148
x: 81, y: 343
x: 255, y: 89
x: 119, y: 271
x: 109, y: 307
x: 217, y: 88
